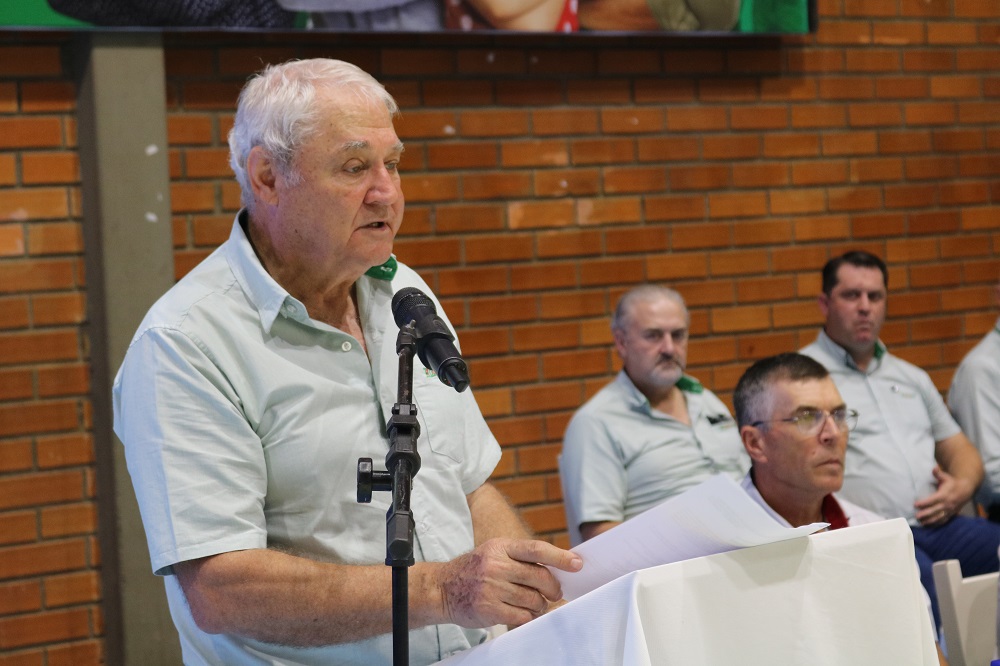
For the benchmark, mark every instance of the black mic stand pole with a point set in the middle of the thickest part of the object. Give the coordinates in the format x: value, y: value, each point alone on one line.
x: 402, y: 462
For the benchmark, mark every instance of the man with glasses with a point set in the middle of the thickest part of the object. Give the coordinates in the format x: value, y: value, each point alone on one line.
x: 907, y: 457
x: 794, y: 426
x: 654, y: 431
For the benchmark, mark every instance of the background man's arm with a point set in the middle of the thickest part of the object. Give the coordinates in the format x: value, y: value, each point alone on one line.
x: 959, y: 473
x: 590, y: 530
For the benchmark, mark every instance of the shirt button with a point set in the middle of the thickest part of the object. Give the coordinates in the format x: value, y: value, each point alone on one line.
x: 346, y: 346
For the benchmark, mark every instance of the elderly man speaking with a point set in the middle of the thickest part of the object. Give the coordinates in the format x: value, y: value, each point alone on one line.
x: 254, y: 385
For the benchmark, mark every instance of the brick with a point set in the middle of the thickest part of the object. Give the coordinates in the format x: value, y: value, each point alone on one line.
x: 951, y: 33
x: 930, y: 168
x: 748, y: 204
x: 929, y: 113
x: 433, y: 187
x: 495, y: 310
x: 906, y: 250
x: 639, y: 239
x: 850, y: 143
x: 691, y: 207
x: 471, y: 217
x: 189, y: 129
x: 986, y: 60
x: 757, y: 346
x: 564, y: 365
x: 677, y: 266
x: 902, y: 87
x: 33, y: 204
x: 980, y: 218
x: 816, y: 60
x: 959, y: 140
x: 740, y: 318
x: 564, y: 121
x: 495, y: 248
x: 484, y: 341
x: 791, y: 145
x: 67, y: 520
x: 563, y: 182
x: 44, y: 168
x: 905, y: 142
x: 482, y: 280
x: 44, y: 627
x: 34, y: 346
x: 727, y: 90
x: 41, y: 558
x: 628, y: 180
x: 30, y: 132
x: 597, y: 91
x: 695, y: 61
x: 978, y: 112
x: 662, y: 90
x: 844, y: 32
x: 753, y: 232
x: 760, y: 175
x: 572, y: 305
x: 505, y: 370
x: 697, y: 236
x: 879, y: 170
x: 416, y: 124
x: 14, y: 312
x: 730, y: 147
x: 544, y: 518
x: 955, y: 86
x: 759, y: 117
x: 18, y: 526
x: 796, y: 315
x: 568, y: 243
x: 493, y: 123
x: 596, y: 332
x: 737, y: 262
x: 495, y: 185
x: 59, y: 308
x: 84, y: 653
x: 668, y: 148
x: 632, y: 120
x: 65, y: 450
x: 518, y: 430
x: 12, y: 240
x: 846, y: 88
x: 819, y: 116
x: 611, y: 271
x: 524, y: 490
x: 826, y: 227
x: 63, y: 380
x: 543, y: 276
x: 878, y: 225
x: 808, y: 258
x: 540, y: 214
x: 421, y: 252
x: 963, y: 193
x: 797, y: 201
x: 608, y: 210
x: 825, y: 172
x: 935, y: 275
x: 696, y: 119
x: 601, y: 151
x: 937, y: 222
x: 965, y: 246
x: 55, y: 238
x: 711, y: 177
x: 853, y: 198
x: 20, y: 597
x: 707, y: 293
x: 546, y: 397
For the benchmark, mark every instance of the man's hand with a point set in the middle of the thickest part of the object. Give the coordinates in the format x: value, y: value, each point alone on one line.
x: 503, y: 581
x: 944, y: 503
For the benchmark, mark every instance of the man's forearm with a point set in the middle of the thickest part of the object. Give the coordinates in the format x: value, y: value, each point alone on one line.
x: 276, y: 597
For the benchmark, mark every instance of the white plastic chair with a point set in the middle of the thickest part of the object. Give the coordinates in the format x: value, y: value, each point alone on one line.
x: 968, y: 613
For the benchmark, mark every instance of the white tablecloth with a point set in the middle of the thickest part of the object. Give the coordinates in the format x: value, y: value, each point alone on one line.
x: 850, y: 597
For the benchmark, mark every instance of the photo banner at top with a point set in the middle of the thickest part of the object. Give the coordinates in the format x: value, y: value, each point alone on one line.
x: 409, y: 16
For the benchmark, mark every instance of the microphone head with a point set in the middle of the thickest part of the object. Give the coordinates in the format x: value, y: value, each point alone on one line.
x: 411, y: 304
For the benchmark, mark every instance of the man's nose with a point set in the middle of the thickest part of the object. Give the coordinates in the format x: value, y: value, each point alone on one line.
x: 384, y: 187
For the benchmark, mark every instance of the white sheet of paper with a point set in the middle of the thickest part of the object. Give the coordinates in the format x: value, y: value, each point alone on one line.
x: 713, y: 517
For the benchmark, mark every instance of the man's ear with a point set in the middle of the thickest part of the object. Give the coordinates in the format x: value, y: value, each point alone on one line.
x: 753, y: 442
x: 263, y: 176
x: 823, y: 300
x: 619, y: 337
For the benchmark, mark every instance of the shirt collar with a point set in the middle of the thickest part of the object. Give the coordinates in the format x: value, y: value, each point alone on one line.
x: 271, y: 299
x: 638, y: 400
x: 843, y: 356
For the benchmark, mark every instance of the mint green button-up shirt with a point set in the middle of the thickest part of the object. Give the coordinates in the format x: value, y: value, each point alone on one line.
x: 243, y: 420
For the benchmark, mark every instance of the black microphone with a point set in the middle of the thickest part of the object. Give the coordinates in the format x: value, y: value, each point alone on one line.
x: 435, y: 343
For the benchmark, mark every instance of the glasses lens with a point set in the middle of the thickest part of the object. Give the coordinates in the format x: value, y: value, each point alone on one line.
x: 809, y: 420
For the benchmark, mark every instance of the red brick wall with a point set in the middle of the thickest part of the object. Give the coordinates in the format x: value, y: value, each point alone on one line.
x: 543, y: 177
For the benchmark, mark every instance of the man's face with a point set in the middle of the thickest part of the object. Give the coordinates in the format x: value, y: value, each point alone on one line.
x: 855, y: 308
x: 341, y: 217
x: 812, y: 463
x: 653, y: 346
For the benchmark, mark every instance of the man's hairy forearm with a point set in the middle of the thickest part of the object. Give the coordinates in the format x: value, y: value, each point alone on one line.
x: 276, y: 597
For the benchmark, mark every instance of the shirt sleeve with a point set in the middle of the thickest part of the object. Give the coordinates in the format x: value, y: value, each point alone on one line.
x: 196, y: 465
x: 593, y: 472
x: 974, y: 399
x: 943, y: 425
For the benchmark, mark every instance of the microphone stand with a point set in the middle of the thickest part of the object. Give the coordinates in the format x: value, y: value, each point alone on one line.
x: 402, y: 462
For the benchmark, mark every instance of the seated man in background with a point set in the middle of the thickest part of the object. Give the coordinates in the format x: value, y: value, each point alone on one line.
x: 653, y: 432
x: 974, y: 399
x: 794, y: 426
x: 907, y: 458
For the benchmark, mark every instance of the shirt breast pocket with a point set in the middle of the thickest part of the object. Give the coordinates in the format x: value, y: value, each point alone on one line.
x: 440, y: 413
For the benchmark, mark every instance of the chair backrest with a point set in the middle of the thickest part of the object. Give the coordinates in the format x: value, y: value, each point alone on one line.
x: 572, y: 524
x: 968, y: 613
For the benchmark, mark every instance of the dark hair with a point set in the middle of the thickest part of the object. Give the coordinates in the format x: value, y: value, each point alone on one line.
x: 752, y: 398
x: 858, y: 258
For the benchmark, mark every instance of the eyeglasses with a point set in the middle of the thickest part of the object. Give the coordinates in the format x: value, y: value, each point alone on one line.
x: 810, y: 421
